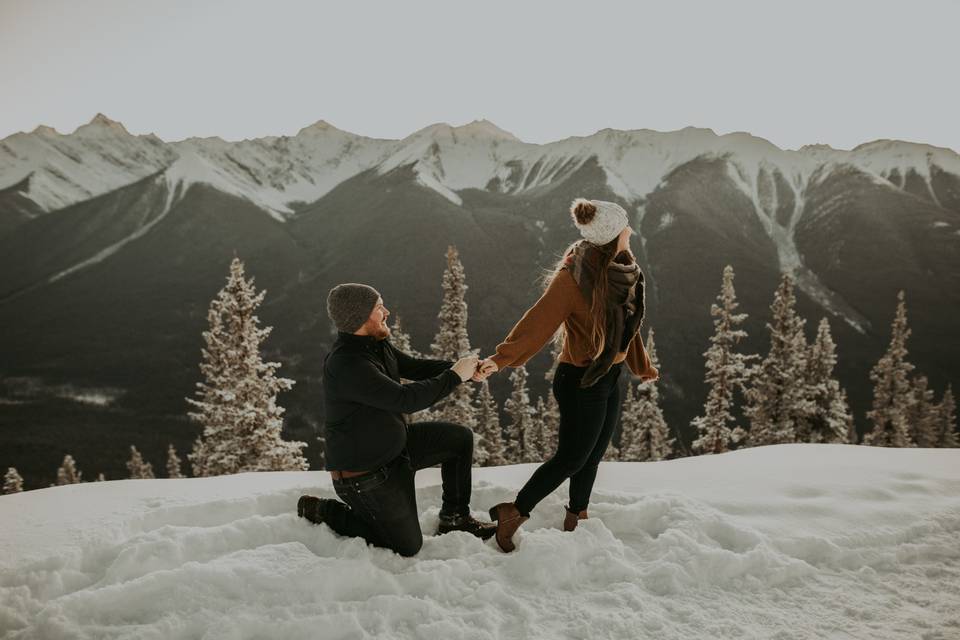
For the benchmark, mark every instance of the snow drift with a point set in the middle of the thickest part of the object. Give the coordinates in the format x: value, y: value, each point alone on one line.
x: 788, y: 541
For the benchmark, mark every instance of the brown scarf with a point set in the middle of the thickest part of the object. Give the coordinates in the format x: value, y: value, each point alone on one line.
x: 624, y: 303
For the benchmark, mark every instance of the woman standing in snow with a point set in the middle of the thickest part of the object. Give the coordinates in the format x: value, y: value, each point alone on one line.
x: 596, y: 295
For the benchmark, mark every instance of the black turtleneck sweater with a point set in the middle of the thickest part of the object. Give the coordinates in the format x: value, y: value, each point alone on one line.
x: 365, y: 400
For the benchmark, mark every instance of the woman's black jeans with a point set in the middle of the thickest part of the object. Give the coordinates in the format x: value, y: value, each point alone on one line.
x: 587, y: 420
x: 381, y: 506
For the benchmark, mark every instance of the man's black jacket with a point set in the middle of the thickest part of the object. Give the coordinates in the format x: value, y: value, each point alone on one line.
x: 365, y: 400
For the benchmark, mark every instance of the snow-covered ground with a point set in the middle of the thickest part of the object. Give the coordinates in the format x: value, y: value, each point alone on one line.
x: 790, y: 541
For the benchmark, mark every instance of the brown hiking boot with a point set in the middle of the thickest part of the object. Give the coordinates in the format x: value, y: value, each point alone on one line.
x: 508, y: 520
x: 572, y: 518
x: 468, y: 523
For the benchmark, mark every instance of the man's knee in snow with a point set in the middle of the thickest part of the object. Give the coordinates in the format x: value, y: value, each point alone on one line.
x: 409, y: 547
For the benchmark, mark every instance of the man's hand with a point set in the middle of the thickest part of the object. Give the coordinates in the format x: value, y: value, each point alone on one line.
x: 466, y: 367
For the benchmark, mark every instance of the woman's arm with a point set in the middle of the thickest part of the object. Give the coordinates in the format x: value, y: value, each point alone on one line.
x: 539, y: 323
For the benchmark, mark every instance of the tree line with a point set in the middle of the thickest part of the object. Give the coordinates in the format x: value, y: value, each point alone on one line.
x: 789, y: 395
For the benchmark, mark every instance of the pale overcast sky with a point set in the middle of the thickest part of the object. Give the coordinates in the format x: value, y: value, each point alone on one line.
x: 840, y: 72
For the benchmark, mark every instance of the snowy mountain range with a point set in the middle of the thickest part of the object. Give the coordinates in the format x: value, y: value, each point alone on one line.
x: 112, y: 244
x: 278, y: 173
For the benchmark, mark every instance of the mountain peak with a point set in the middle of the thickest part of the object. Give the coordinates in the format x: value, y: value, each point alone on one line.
x: 320, y: 126
x: 819, y: 146
x: 44, y: 130
x: 485, y: 128
x: 101, y: 121
x: 479, y: 129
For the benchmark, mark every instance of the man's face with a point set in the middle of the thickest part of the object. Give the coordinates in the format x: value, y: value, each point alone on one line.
x: 376, y: 324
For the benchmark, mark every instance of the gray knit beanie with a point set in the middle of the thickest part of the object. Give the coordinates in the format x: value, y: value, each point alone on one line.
x: 350, y: 304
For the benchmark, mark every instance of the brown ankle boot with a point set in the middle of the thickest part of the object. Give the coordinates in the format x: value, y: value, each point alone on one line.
x: 572, y: 518
x: 508, y: 520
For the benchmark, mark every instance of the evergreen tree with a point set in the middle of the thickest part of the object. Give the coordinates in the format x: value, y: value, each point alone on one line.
x: 533, y: 440
x: 923, y: 415
x: 612, y: 453
x: 550, y: 417
x: 830, y: 419
x: 139, y: 470
x: 947, y: 410
x: 631, y: 428
x: 658, y: 445
x: 520, y: 414
x: 236, y: 404
x: 551, y: 425
x: 778, y: 400
x: 726, y: 370
x: 556, y: 348
x: 68, y: 473
x: 173, y: 463
x: 488, y: 448
x: 453, y: 343
x: 100, y: 477
x: 892, y: 391
x: 12, y: 482
x: 401, y: 339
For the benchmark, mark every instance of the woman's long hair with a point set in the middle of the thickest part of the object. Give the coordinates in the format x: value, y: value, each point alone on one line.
x: 583, y: 212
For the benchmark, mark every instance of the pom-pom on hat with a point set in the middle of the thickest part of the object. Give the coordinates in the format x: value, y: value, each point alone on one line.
x: 349, y: 305
x: 599, y: 221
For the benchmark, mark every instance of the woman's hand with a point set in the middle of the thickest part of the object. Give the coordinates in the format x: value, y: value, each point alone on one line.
x: 484, y: 369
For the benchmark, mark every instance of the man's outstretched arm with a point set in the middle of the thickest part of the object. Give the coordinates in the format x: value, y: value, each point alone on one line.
x: 418, y: 368
x: 359, y: 380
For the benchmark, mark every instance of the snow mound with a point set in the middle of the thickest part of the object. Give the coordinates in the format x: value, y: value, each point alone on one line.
x: 791, y: 541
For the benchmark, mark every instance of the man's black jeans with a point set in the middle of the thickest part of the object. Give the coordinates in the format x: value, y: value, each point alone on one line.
x: 587, y: 420
x: 381, y: 506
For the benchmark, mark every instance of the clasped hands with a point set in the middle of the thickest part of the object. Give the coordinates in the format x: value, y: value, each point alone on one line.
x: 473, y: 368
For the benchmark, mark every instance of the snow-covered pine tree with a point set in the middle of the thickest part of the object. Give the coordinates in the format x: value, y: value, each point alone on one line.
x: 100, y: 477
x: 236, y: 404
x: 453, y: 343
x: 726, y: 371
x: 520, y: 413
x: 556, y: 348
x: 658, y: 445
x: 851, y: 426
x: 173, y: 463
x: 67, y: 473
x: 452, y: 340
x: 947, y: 410
x: 644, y: 435
x: 12, y: 482
x: 488, y: 448
x: 551, y: 425
x: 533, y: 437
x: 777, y: 400
x: 612, y: 453
x: 892, y: 391
x: 923, y: 415
x: 631, y: 430
x: 550, y: 418
x: 139, y: 470
x: 830, y: 420
x: 401, y: 339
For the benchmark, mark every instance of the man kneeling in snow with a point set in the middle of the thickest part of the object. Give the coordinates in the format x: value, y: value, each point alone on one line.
x: 371, y: 449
